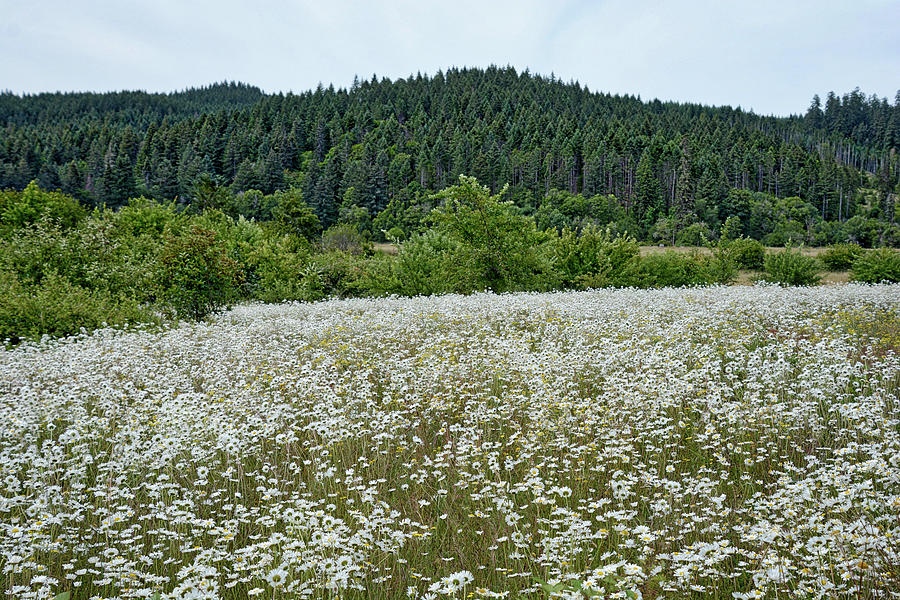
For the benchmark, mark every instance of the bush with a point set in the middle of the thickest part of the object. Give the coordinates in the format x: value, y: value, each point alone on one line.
x: 672, y: 269
x: 33, y: 205
x: 721, y: 266
x: 498, y: 249
x: 790, y: 267
x: 697, y: 234
x: 593, y: 259
x: 294, y: 216
x: 421, y: 266
x: 90, y: 256
x: 747, y: 253
x: 336, y: 273
x: 57, y: 307
x: 195, y: 276
x: 142, y: 216
x: 732, y: 228
x: 840, y: 257
x: 345, y: 238
x: 275, y: 268
x: 871, y: 232
x: 878, y: 265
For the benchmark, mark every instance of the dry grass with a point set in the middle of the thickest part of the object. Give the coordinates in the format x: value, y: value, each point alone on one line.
x: 828, y: 277
x: 385, y: 248
x: 646, y: 250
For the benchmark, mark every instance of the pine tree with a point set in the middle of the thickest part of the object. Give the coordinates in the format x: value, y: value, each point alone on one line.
x: 648, y: 197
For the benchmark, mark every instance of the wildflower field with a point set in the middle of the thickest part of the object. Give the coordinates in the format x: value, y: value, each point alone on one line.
x: 717, y: 442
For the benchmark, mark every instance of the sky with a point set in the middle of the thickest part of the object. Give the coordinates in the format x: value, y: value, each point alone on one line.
x: 766, y: 56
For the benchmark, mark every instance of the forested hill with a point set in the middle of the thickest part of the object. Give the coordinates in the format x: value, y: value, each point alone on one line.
x: 387, y: 144
x: 137, y: 109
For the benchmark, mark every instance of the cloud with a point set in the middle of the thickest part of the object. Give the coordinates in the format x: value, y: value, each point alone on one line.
x: 771, y: 56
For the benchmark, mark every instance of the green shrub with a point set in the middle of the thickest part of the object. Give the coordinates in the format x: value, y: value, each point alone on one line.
x: 422, y: 265
x: 379, y: 276
x: 721, y: 265
x: 343, y: 237
x: 840, y: 257
x: 274, y: 270
x: 57, y: 307
x: 497, y: 248
x: 875, y: 266
x: 871, y: 232
x: 92, y: 256
x: 790, y: 267
x: 33, y: 205
x: 142, y: 216
x: 732, y: 228
x: 697, y: 234
x: 33, y: 251
x: 672, y: 269
x: 294, y: 216
x: 747, y: 253
x: 336, y: 273
x: 593, y: 258
x: 195, y: 275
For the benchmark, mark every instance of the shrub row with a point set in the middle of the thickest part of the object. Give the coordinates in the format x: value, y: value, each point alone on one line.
x: 63, y: 270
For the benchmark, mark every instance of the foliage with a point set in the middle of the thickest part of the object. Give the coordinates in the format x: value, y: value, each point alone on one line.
x: 55, y: 306
x: 560, y: 209
x: 876, y: 266
x: 594, y: 258
x: 144, y: 216
x: 732, y: 228
x: 747, y: 253
x: 722, y: 265
x: 344, y: 237
x: 422, y: 264
x: 840, y: 257
x: 147, y: 256
x: 871, y: 232
x: 671, y: 269
x: 605, y: 587
x: 696, y: 234
x: 33, y: 205
x: 277, y: 270
x: 337, y: 273
x: 294, y: 216
x: 497, y: 249
x: 195, y: 275
x: 791, y: 267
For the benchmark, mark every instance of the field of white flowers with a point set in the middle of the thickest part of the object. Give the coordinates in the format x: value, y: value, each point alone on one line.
x: 733, y: 442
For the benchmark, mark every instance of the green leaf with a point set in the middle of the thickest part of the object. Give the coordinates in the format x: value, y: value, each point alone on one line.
x: 63, y: 596
x: 550, y: 589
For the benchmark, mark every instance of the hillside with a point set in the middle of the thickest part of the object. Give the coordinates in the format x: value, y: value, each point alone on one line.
x: 386, y: 144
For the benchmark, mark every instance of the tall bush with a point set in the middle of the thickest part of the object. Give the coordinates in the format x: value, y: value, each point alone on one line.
x: 840, y: 257
x: 195, y: 275
x: 747, y: 253
x: 498, y: 249
x: 876, y: 266
x: 791, y: 267
x: 593, y: 258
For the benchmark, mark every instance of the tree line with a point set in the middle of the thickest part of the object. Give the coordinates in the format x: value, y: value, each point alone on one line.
x: 374, y: 154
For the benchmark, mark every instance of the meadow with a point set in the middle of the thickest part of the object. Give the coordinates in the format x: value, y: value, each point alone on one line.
x: 715, y: 442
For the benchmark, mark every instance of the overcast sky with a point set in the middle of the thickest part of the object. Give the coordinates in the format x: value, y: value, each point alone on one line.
x: 762, y: 55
